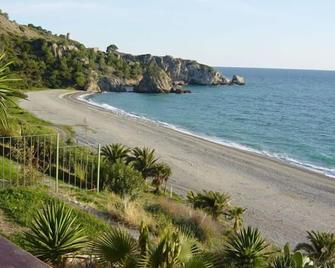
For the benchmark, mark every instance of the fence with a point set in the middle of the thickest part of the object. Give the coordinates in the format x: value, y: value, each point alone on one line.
x: 24, y: 160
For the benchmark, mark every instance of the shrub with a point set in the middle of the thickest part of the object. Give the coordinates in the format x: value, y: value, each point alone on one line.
x: 320, y: 248
x: 124, y: 180
x: 214, y: 203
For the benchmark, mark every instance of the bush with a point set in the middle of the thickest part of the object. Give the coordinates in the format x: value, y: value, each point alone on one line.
x: 124, y: 180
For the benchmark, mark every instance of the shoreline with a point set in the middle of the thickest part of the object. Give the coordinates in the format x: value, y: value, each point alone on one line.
x: 282, y: 200
x: 232, y: 145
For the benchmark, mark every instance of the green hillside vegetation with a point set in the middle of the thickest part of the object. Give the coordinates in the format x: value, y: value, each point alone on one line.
x: 40, y: 60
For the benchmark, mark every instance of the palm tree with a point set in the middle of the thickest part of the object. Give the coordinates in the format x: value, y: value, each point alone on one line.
x: 214, y: 203
x: 117, y: 248
x: 247, y: 249
x: 55, y: 233
x: 6, y: 93
x: 144, y: 161
x: 321, y: 248
x: 162, y: 173
x: 236, y: 214
x: 114, y: 152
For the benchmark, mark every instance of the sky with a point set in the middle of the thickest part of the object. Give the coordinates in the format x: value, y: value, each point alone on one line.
x: 297, y: 34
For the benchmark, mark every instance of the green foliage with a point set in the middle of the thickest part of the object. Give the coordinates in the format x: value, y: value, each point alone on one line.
x: 21, y: 203
x: 6, y: 93
x: 111, y: 48
x: 124, y: 180
x: 117, y: 248
x: 320, y: 248
x: 114, y: 152
x: 161, y: 173
x: 55, y: 233
x: 175, y: 249
x: 236, y: 214
x: 144, y: 160
x: 247, y: 249
x: 287, y: 259
x: 214, y: 203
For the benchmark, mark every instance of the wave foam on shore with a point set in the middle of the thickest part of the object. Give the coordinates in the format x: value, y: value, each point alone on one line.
x: 322, y: 170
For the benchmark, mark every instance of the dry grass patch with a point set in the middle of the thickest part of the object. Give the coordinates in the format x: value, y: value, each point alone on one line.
x: 202, y: 226
x: 128, y: 212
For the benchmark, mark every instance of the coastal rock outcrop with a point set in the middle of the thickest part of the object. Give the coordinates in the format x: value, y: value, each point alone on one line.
x: 238, y: 80
x: 180, y: 70
x: 155, y: 80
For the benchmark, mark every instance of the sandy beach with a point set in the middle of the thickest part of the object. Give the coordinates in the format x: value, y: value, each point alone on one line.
x: 284, y: 201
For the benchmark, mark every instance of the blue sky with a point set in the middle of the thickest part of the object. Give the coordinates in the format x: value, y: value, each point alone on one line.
x: 246, y: 33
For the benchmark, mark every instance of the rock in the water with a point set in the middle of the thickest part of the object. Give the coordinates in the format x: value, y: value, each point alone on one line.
x: 238, y: 80
x: 155, y: 80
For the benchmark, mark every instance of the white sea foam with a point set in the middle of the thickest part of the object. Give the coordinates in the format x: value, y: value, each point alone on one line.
x: 322, y: 170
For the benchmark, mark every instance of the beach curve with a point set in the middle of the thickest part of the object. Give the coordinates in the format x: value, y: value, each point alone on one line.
x: 282, y: 200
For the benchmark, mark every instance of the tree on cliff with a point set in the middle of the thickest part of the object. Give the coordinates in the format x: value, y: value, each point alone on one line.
x: 111, y: 48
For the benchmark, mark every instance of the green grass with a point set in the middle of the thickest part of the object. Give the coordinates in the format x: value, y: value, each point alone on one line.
x: 28, y: 124
x: 9, y: 170
x: 20, y: 205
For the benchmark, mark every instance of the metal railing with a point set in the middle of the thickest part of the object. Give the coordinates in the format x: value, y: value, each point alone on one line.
x: 27, y: 160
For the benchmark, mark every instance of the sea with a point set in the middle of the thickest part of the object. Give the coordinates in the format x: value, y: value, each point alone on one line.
x: 284, y: 114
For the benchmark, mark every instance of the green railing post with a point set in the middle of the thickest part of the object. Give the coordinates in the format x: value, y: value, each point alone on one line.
x: 98, y: 172
x: 57, y: 161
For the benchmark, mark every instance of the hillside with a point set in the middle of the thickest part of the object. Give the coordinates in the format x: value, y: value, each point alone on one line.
x: 43, y: 59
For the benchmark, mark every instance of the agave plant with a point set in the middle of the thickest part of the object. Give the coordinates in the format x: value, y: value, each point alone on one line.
x: 162, y: 173
x: 144, y: 160
x: 214, y: 203
x: 55, y: 233
x: 175, y: 249
x: 247, y: 249
x: 236, y: 214
x: 116, y: 248
x: 6, y: 93
x: 321, y: 248
x: 115, y: 152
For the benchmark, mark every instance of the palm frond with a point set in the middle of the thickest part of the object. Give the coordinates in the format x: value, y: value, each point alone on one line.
x: 116, y: 247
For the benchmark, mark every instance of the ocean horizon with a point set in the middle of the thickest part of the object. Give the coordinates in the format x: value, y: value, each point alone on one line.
x: 286, y: 114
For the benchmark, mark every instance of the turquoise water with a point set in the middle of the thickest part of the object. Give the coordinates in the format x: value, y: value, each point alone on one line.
x: 287, y: 114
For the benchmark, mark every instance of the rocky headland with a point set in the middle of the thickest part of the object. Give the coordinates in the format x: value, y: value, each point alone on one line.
x: 57, y: 61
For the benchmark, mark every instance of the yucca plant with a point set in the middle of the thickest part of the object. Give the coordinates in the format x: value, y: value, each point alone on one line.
x: 115, y: 152
x: 116, y: 248
x: 236, y: 214
x: 214, y: 203
x: 144, y: 160
x: 247, y: 249
x: 55, y: 234
x: 6, y: 92
x: 320, y: 248
x: 287, y: 259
